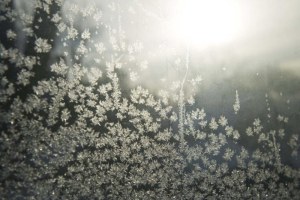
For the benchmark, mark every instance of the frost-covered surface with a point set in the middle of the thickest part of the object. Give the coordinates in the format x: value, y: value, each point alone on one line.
x: 87, y: 112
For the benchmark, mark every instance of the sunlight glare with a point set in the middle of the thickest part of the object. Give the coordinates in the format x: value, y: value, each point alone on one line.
x: 206, y: 22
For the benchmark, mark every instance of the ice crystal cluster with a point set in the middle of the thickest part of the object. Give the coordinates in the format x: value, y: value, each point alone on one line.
x: 79, y: 121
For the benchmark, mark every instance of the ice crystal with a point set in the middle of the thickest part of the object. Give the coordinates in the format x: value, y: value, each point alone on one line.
x: 86, y: 34
x: 100, y: 47
x: 11, y: 34
x: 56, y: 18
x: 236, y: 105
x: 133, y: 76
x: 223, y: 121
x: 42, y: 46
x: 72, y: 33
x: 92, y: 110
x: 213, y: 124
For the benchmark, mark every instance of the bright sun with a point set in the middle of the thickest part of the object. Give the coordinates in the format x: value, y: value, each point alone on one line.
x: 206, y: 22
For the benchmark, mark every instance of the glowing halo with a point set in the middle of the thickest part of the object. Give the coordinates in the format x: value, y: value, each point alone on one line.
x: 205, y: 22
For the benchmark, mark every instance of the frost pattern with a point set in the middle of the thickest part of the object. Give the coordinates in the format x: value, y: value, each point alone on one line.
x: 77, y: 122
x: 236, y: 105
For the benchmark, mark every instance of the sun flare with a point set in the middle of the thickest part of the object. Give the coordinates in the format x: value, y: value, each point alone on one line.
x: 206, y: 22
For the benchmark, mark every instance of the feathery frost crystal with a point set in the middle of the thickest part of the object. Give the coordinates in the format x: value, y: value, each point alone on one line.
x: 97, y: 104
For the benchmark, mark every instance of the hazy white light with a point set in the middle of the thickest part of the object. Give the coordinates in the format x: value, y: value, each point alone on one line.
x: 206, y: 22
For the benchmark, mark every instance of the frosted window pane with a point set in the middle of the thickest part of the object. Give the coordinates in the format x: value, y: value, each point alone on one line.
x: 146, y: 99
